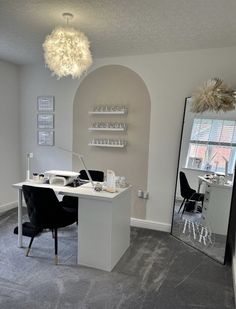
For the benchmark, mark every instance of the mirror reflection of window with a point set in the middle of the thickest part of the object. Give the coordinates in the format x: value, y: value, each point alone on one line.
x: 212, y: 142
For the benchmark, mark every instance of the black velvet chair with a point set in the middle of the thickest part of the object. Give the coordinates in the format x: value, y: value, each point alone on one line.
x: 188, y: 194
x: 95, y: 175
x: 71, y: 201
x: 45, y: 211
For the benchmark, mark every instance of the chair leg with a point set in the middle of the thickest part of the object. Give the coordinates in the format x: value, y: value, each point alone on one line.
x: 29, y: 247
x: 53, y: 236
x: 184, y: 208
x: 56, y: 246
x: 181, y: 205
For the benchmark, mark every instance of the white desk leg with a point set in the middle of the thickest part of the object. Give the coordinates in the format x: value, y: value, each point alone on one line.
x: 20, y: 218
x: 198, y: 191
x: 199, y: 185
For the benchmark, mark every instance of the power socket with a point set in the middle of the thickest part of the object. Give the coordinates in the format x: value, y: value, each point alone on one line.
x: 140, y: 193
x: 145, y: 195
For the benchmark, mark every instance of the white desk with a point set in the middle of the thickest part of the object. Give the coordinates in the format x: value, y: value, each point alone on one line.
x: 216, y: 205
x: 104, y: 223
x: 202, y: 179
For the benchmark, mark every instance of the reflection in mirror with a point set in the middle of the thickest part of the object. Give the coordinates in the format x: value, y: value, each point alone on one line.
x: 204, y: 180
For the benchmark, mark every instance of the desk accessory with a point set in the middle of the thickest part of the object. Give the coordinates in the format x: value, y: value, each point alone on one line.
x: 98, y: 187
x: 38, y: 178
x: 30, y: 155
x: 61, y: 178
x: 111, y: 181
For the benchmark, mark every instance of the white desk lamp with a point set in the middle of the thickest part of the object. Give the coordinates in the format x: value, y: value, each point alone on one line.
x: 81, y: 157
x: 30, y: 155
x: 226, y: 169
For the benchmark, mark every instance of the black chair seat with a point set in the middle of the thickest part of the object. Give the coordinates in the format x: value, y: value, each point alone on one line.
x: 69, y: 205
x: 95, y: 175
x: 45, y: 211
x: 70, y: 202
x: 197, y: 197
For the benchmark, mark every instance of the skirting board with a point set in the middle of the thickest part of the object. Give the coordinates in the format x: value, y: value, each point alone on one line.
x: 8, y: 206
x: 146, y: 224
x: 234, y: 275
x: 152, y: 225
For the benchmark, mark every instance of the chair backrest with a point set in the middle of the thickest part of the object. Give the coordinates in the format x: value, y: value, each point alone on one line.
x: 185, y: 189
x: 42, y: 205
x: 95, y: 175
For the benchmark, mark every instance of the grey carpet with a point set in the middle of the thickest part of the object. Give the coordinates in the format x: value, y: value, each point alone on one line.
x: 157, y: 271
x: 216, y: 250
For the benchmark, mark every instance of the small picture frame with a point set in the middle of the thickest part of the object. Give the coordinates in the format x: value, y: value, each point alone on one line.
x: 45, y: 121
x: 45, y: 103
x: 45, y: 138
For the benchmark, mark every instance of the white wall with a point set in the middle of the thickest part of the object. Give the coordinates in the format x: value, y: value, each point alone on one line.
x: 9, y: 133
x: 169, y: 77
x: 35, y: 80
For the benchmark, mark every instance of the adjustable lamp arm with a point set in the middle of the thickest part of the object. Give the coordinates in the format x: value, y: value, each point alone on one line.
x: 81, y: 157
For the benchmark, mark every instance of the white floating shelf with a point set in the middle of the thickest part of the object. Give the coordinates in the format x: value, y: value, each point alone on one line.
x: 109, y: 113
x: 107, y: 129
x: 107, y: 145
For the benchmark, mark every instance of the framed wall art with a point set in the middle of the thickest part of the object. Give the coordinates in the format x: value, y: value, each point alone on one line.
x: 45, y: 138
x: 45, y: 103
x: 45, y: 121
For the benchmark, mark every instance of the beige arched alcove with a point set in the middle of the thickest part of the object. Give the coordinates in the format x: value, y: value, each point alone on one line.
x: 115, y: 85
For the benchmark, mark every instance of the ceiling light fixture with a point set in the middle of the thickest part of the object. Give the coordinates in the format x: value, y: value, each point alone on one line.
x: 66, y: 51
x: 214, y: 95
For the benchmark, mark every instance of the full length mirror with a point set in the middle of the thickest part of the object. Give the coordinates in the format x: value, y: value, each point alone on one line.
x: 204, y: 180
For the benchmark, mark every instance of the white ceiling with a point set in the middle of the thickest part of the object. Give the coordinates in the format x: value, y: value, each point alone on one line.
x: 117, y: 27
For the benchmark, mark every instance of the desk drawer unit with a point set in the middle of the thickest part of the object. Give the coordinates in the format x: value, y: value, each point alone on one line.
x: 206, y: 202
